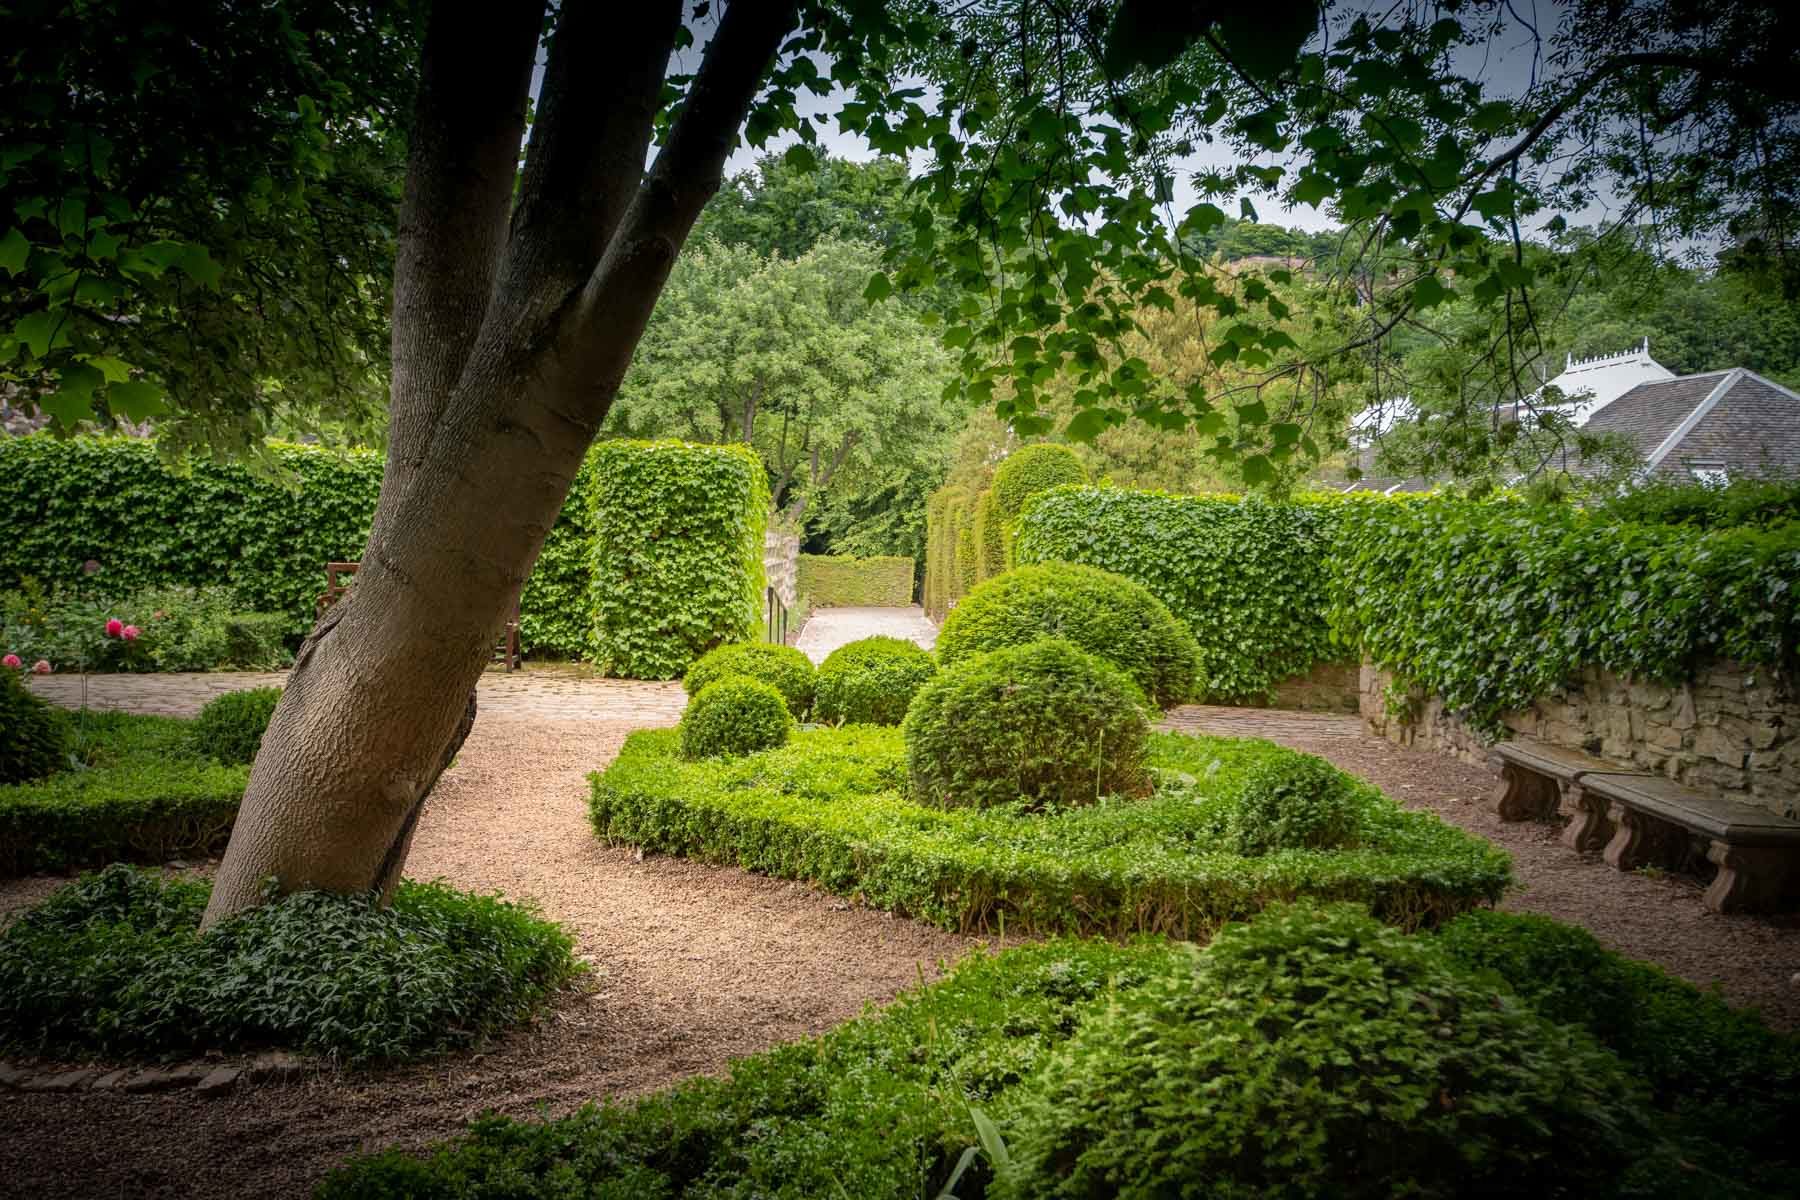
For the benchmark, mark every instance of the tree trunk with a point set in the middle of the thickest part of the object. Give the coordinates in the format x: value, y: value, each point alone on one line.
x: 491, y: 417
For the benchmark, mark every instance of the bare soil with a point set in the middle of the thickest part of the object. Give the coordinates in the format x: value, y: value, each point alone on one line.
x: 696, y: 965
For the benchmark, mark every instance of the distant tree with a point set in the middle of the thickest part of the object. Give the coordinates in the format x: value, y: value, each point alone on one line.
x: 788, y: 204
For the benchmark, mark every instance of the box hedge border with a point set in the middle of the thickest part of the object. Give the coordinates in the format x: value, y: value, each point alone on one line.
x: 828, y: 809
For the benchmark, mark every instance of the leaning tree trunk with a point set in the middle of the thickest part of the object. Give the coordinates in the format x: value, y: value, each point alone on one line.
x: 514, y: 322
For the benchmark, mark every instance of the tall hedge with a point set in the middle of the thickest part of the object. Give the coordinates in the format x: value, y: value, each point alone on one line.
x: 989, y: 538
x: 1030, y: 470
x: 937, y: 563
x: 878, y: 581
x: 676, y: 553
x: 112, y: 500
x: 1251, y: 580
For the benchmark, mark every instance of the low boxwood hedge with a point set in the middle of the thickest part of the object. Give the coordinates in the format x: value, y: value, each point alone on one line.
x: 890, y: 1106
x: 143, y: 791
x: 829, y: 807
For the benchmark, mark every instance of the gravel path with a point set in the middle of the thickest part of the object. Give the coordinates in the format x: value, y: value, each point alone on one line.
x: 829, y: 628
x: 695, y: 964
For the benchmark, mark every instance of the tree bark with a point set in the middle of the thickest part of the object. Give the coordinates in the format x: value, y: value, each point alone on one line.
x: 483, y: 455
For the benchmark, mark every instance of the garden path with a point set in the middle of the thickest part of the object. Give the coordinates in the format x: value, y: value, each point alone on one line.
x: 829, y: 628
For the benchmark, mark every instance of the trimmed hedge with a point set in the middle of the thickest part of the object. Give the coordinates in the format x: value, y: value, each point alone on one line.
x: 784, y: 668
x: 145, y: 794
x: 1030, y: 470
x: 827, y: 580
x: 734, y: 715
x: 111, y: 964
x: 676, y: 558
x: 1038, y: 726
x: 871, y: 681
x: 1251, y: 580
x: 829, y: 808
x: 895, y: 1105
x: 230, y: 728
x: 989, y: 538
x: 1097, y: 611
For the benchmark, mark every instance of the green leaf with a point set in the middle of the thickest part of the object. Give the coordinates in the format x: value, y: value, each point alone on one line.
x: 1087, y: 424
x: 135, y: 400
x: 14, y: 250
x: 1258, y: 470
x: 1429, y: 290
x: 800, y: 157
x: 200, y: 267
x: 43, y: 331
x: 879, y: 288
x: 111, y: 369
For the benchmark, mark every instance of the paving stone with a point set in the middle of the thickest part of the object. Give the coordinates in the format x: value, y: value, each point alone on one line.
x: 219, y: 1079
x: 162, y: 1079
x: 11, y: 1076
x: 111, y: 1079
x: 63, y: 1081
x: 276, y: 1064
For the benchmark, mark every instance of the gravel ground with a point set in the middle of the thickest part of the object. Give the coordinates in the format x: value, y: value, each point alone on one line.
x: 697, y: 965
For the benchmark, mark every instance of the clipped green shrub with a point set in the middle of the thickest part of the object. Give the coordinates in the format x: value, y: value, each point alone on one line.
x: 1030, y: 470
x: 230, y: 728
x: 832, y: 808
x: 1250, y: 580
x: 1045, y: 725
x: 111, y: 965
x: 786, y: 669
x: 34, y: 737
x: 871, y: 681
x: 143, y: 794
x: 828, y: 580
x: 1321, y: 1053
x: 989, y: 538
x: 968, y: 559
x: 1095, y: 610
x: 1294, y: 801
x: 676, y: 553
x: 734, y: 715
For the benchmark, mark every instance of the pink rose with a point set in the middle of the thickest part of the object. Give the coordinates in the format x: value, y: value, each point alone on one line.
x: 114, y: 627
x: 12, y: 662
x: 40, y: 667
x: 129, y: 633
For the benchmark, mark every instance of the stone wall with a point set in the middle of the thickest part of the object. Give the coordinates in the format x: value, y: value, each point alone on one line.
x: 1328, y: 687
x: 1729, y: 731
x: 781, y: 556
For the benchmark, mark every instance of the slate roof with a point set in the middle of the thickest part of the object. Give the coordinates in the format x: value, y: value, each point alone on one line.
x: 1734, y: 419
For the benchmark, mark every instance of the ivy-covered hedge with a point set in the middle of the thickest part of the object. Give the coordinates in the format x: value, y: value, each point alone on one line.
x: 145, y: 791
x: 878, y: 581
x: 676, y: 553
x: 830, y: 808
x: 1492, y: 604
x: 1251, y: 580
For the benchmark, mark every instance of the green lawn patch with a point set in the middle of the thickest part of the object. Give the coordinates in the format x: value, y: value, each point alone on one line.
x: 830, y: 808
x: 966, y: 1071
x: 142, y: 791
x: 111, y: 964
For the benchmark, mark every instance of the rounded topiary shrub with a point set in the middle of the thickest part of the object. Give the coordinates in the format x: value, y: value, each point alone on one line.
x: 871, y: 681
x: 1030, y: 470
x: 1317, y: 1052
x: 34, y: 737
x: 230, y: 728
x: 1295, y: 801
x: 734, y: 716
x: 788, y: 670
x: 1098, y: 611
x: 1045, y: 725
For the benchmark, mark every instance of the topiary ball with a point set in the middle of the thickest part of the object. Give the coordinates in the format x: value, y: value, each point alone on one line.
x: 734, y: 716
x: 1295, y: 801
x: 1046, y: 725
x: 871, y: 681
x: 1098, y: 611
x: 1030, y: 470
x: 787, y: 669
x: 1320, y: 1053
x: 230, y: 728
x: 34, y: 737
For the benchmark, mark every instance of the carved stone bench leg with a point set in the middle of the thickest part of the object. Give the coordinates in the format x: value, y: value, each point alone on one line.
x: 1633, y: 835
x: 1524, y: 795
x: 1750, y: 878
x: 1586, y: 830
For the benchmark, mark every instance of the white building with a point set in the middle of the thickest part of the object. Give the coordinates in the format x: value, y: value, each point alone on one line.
x: 1593, y: 383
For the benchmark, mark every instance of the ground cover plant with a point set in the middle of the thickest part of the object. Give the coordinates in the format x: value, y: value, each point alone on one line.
x: 831, y: 807
x: 958, y: 1081
x: 1095, y: 610
x: 110, y: 965
x: 140, y: 788
x: 871, y: 681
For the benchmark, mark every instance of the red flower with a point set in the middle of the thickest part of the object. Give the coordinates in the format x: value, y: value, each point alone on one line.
x: 129, y: 633
x: 114, y: 627
x: 11, y: 661
x: 40, y: 667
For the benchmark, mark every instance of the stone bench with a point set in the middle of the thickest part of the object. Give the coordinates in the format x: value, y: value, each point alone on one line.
x: 1755, y: 850
x: 1534, y: 778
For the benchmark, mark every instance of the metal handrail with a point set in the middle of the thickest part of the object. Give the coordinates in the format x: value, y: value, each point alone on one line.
x: 776, y: 617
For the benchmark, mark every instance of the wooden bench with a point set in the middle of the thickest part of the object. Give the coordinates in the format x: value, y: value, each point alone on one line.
x: 1755, y: 850
x: 1534, y: 779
